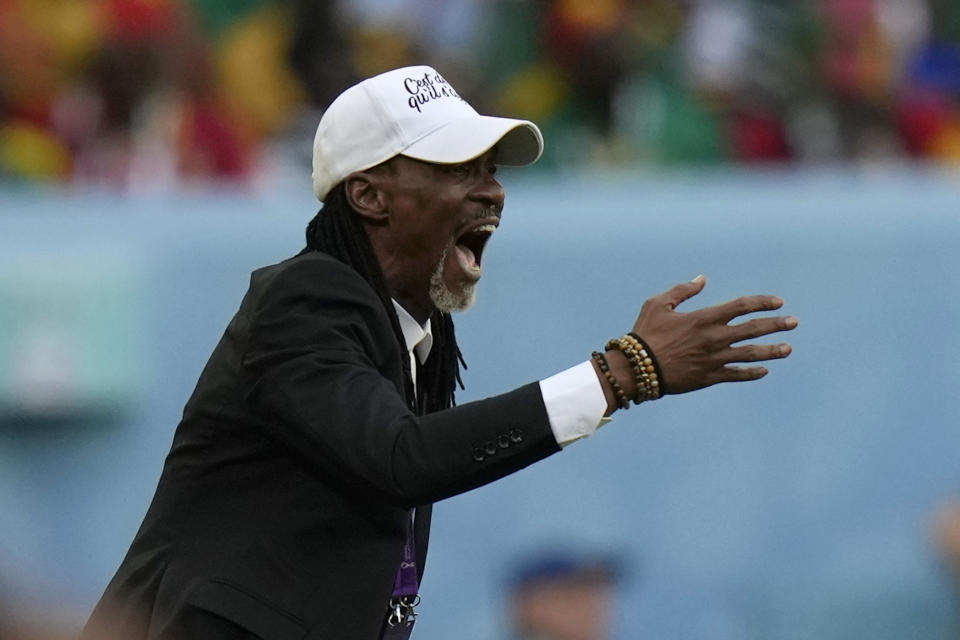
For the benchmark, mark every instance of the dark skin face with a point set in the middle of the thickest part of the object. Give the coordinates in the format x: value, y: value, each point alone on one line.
x: 422, y: 216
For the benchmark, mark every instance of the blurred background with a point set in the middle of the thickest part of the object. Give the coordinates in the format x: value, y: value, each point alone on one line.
x: 146, y: 94
x: 154, y: 152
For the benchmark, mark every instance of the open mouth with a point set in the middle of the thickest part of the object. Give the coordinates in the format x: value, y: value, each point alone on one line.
x: 469, y: 247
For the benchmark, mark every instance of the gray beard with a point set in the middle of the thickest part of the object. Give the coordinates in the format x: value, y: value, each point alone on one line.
x: 442, y: 297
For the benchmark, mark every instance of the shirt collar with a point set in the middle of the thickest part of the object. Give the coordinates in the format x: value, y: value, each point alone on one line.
x: 419, y: 338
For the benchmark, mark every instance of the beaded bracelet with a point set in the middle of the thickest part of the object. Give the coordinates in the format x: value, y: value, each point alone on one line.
x: 656, y: 365
x: 618, y: 391
x: 645, y: 367
x: 636, y: 357
x: 645, y: 371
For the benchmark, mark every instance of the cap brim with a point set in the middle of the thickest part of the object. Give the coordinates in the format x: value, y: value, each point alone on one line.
x: 518, y: 142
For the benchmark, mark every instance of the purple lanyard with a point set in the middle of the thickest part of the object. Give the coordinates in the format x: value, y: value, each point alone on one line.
x: 406, y: 583
x: 401, y: 612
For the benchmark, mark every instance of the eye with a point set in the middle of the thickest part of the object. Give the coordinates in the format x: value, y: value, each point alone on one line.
x: 461, y: 169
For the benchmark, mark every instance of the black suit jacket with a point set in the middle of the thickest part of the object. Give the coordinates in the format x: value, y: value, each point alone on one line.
x: 283, y: 501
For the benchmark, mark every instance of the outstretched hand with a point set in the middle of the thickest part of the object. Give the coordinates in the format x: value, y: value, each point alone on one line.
x: 695, y: 349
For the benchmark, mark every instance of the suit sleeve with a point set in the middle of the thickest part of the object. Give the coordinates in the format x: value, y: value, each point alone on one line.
x: 319, y: 344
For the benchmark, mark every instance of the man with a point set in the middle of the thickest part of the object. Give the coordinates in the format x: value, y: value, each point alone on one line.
x: 945, y: 530
x: 295, y: 501
x: 563, y: 595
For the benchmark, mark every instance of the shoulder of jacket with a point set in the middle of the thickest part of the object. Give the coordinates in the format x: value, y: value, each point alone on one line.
x: 329, y: 291
x: 318, y: 282
x: 313, y: 270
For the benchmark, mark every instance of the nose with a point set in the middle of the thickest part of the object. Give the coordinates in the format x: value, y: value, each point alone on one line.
x: 489, y: 192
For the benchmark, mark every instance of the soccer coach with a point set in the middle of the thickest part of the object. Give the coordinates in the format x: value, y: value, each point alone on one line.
x: 295, y: 500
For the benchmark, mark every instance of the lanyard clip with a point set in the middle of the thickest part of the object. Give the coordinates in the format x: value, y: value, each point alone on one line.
x: 403, y: 610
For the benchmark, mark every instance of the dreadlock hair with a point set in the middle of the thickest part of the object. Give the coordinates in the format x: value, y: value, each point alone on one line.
x: 337, y: 231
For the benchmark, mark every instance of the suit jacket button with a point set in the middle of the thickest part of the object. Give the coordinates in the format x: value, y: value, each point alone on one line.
x: 490, y: 447
x: 478, y: 454
x: 503, y: 441
x: 516, y: 435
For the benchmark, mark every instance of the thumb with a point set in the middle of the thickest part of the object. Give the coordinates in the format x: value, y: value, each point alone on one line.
x: 684, y: 291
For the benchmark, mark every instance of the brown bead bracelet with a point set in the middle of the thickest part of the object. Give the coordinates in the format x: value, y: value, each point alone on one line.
x: 645, y: 366
x: 618, y: 391
x: 644, y: 389
x: 641, y: 360
x: 656, y: 365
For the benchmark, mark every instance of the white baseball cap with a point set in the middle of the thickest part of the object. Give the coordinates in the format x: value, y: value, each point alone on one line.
x: 415, y: 112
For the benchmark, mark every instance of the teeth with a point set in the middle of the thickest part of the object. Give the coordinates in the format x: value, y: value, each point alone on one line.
x: 486, y: 228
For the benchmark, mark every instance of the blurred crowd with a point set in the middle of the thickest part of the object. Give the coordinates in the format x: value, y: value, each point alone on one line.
x: 145, y: 93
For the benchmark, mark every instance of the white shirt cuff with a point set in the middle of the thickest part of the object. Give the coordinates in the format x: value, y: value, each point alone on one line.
x: 575, y: 403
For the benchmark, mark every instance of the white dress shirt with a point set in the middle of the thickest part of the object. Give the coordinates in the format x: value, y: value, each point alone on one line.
x: 574, y: 398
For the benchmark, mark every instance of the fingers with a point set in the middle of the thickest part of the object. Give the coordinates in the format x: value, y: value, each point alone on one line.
x: 720, y: 370
x: 741, y: 306
x: 740, y: 374
x: 695, y: 349
x: 683, y: 291
x: 725, y: 372
x: 755, y: 353
x: 761, y: 327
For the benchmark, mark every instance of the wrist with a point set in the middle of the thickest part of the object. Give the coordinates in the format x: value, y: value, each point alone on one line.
x: 627, y: 371
x: 618, y: 374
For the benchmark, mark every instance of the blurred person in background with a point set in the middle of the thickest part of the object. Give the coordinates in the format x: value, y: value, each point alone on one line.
x: 946, y: 536
x: 563, y: 596
x: 16, y: 624
x: 296, y: 498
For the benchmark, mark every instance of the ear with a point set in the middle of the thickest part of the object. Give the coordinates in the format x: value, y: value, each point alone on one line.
x: 367, y: 197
